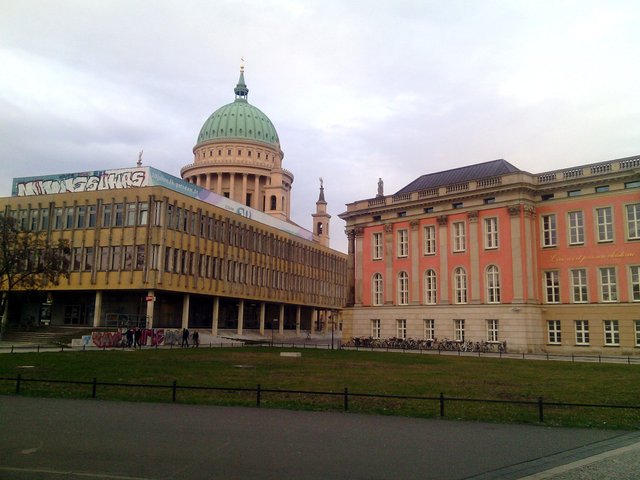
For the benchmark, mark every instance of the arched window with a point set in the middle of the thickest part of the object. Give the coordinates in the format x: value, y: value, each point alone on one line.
x: 430, y: 287
x: 493, y: 284
x: 403, y: 288
x: 377, y: 289
x: 460, y: 285
x: 273, y: 202
x: 319, y: 228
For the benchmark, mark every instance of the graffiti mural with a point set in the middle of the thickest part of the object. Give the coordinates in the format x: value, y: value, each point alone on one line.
x: 81, y: 182
x: 148, y: 336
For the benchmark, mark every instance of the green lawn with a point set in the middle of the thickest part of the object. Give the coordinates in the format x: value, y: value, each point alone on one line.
x: 332, y: 371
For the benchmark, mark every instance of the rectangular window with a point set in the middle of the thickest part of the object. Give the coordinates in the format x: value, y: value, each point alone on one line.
x: 608, y: 286
x: 582, y: 332
x: 429, y: 329
x: 44, y: 219
x: 403, y: 288
x: 604, y: 222
x: 69, y: 217
x: 634, y: 282
x: 403, y: 243
x: 140, y: 256
x: 579, y: 285
x: 81, y: 215
x: 492, y: 330
x: 554, y: 333
x: 127, y: 255
x: 637, y: 331
x: 76, y: 259
x: 611, y: 333
x: 633, y: 221
x: 430, y: 287
x: 118, y: 218
x: 143, y: 213
x: 402, y: 329
x: 377, y: 289
x: 116, y: 258
x: 458, y: 330
x: 91, y: 216
x: 375, y: 328
x: 552, y: 286
x: 104, y: 258
x: 549, y: 234
x: 106, y: 215
x: 377, y: 245
x: 576, y: 228
x: 459, y: 237
x: 430, y: 240
x: 57, y: 218
x: 490, y: 233
x: 87, y: 261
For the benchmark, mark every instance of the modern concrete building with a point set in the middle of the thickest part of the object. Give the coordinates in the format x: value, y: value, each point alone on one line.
x: 216, y: 250
x: 546, y: 262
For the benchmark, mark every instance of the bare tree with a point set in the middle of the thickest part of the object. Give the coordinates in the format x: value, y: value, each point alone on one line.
x: 28, y: 261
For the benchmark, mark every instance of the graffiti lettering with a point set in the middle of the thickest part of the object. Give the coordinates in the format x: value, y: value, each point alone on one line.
x: 106, y: 339
x: 148, y: 336
x: 105, y: 180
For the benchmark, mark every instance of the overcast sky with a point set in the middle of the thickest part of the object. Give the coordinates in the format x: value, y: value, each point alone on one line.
x: 356, y: 89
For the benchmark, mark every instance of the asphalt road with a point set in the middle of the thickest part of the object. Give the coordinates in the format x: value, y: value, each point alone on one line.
x: 76, y: 439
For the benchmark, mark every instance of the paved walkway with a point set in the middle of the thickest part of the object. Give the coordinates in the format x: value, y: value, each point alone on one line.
x: 55, y: 438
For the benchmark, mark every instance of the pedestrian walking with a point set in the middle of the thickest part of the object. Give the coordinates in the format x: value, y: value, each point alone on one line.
x: 185, y: 338
x: 196, y: 339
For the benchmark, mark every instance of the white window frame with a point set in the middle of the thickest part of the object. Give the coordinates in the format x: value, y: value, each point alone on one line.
x: 403, y: 288
x: 579, y: 285
x: 552, y: 286
x: 429, y: 232
x: 634, y: 283
x: 604, y: 224
x: 608, y: 284
x: 375, y: 328
x: 582, y: 332
x: 637, y: 332
x: 401, y: 327
x: 403, y: 243
x: 493, y: 284
x: 493, y: 330
x: 377, y: 289
x: 458, y: 330
x: 430, y: 287
x: 633, y: 221
x: 377, y: 243
x: 554, y: 332
x: 460, y: 290
x: 491, y: 233
x: 576, y: 227
x: 459, y: 237
x: 611, y: 330
x: 549, y: 230
x: 429, y: 329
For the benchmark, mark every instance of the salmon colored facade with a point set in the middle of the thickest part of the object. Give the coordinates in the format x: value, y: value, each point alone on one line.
x: 544, y: 262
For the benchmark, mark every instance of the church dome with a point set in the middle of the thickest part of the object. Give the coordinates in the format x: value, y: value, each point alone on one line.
x: 239, y: 121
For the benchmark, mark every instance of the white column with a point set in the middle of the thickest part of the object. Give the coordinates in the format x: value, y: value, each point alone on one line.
x: 298, y: 320
x: 219, y: 183
x: 185, y: 310
x: 232, y: 184
x: 281, y: 320
x: 262, y: 316
x: 243, y: 200
x: 240, y: 316
x: 97, y: 311
x: 214, y: 316
x: 314, y: 319
x: 255, y: 199
x: 150, y: 306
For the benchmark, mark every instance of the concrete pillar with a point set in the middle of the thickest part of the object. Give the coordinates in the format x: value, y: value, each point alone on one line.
x: 214, y: 316
x: 474, y: 253
x: 208, y: 181
x: 150, y: 306
x: 263, y: 309
x: 97, y: 311
x: 219, y: 184
x: 232, y: 185
x: 516, y: 255
x: 256, y: 193
x: 281, y: 320
x: 415, y: 297
x: 298, y: 312
x: 443, y: 249
x: 314, y: 319
x: 185, y: 310
x: 240, y: 316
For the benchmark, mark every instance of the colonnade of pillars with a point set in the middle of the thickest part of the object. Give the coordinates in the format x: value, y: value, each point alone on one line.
x: 213, y: 182
x: 315, y: 316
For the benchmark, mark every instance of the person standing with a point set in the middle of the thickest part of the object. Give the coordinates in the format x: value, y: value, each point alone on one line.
x: 196, y: 339
x: 185, y: 338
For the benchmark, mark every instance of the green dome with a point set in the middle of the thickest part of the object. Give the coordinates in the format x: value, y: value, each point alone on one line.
x: 239, y: 121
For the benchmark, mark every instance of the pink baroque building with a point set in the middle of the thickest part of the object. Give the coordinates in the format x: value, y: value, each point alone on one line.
x: 490, y: 253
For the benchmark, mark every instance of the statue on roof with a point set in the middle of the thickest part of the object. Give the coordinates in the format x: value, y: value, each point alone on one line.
x: 380, y: 188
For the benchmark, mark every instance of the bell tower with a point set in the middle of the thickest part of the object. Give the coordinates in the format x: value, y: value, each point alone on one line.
x: 321, y: 219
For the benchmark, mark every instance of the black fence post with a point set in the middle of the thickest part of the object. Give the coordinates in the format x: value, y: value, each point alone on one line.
x: 38, y: 349
x: 540, y: 410
x: 441, y: 404
x: 95, y: 384
x: 18, y: 384
x: 346, y: 399
x: 174, y: 388
x: 258, y: 396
